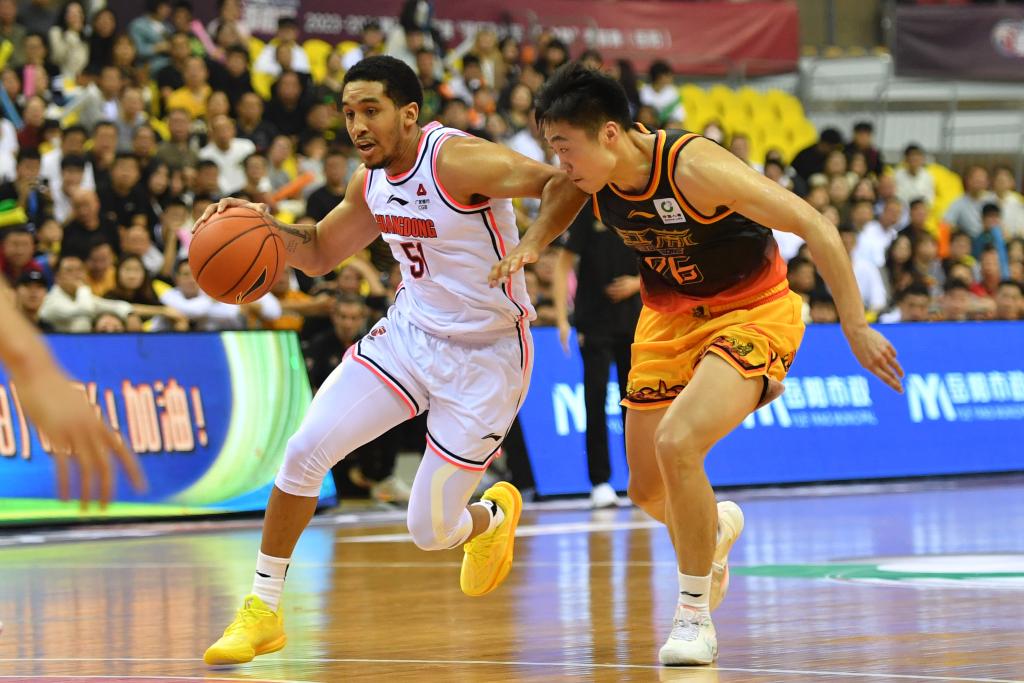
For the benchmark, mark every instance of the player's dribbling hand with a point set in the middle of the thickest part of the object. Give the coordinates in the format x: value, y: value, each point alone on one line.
x: 227, y: 203
x: 515, y: 260
x: 63, y: 414
x: 877, y: 355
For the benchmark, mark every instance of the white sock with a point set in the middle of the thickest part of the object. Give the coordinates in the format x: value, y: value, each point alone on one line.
x: 496, y: 513
x: 695, y: 593
x: 269, y: 580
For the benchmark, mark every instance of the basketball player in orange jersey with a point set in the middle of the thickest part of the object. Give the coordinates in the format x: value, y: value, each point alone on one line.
x: 450, y: 343
x: 719, y: 328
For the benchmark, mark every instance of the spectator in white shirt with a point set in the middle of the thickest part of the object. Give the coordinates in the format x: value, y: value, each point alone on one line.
x: 208, y: 314
x: 661, y: 94
x: 287, y: 35
x: 868, y: 275
x: 70, y: 305
x: 876, y: 236
x: 913, y: 180
x: 228, y: 152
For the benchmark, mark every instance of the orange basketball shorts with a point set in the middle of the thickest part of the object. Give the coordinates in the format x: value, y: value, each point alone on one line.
x: 757, y: 341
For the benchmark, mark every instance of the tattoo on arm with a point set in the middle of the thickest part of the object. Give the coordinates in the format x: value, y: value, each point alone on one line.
x: 294, y: 236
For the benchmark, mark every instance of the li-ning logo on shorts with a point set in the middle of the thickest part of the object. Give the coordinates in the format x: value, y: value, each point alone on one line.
x: 378, y: 332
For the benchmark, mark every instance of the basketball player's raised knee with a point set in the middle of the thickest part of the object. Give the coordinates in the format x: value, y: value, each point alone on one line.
x: 304, y: 467
x: 426, y: 537
x: 678, y: 447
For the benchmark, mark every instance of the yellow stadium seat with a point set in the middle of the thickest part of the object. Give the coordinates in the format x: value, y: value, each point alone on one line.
x: 804, y: 134
x: 255, y: 48
x: 317, y: 51
x: 724, y: 98
x: 750, y: 99
x: 262, y: 83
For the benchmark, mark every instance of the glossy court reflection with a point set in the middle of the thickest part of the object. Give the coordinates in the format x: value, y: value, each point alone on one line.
x: 902, y: 583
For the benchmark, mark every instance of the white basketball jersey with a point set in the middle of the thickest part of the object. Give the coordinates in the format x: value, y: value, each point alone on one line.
x: 446, y: 249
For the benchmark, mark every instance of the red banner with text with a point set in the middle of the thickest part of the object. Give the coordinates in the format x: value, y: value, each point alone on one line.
x: 695, y: 37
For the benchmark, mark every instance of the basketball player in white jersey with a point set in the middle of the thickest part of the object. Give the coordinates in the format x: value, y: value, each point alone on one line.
x: 450, y: 343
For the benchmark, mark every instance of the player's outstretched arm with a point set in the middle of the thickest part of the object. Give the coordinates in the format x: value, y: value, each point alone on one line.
x: 60, y: 411
x: 317, y: 249
x: 472, y: 169
x: 714, y: 177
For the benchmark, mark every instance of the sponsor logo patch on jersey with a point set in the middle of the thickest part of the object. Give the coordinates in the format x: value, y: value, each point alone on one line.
x: 670, y: 211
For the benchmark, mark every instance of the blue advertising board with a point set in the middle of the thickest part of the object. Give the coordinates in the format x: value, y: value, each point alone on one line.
x: 207, y: 414
x: 962, y: 412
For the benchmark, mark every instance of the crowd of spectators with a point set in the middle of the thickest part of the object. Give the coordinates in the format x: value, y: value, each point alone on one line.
x: 116, y: 135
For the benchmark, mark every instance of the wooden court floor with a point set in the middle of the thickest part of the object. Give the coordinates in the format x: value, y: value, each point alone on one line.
x: 893, y: 583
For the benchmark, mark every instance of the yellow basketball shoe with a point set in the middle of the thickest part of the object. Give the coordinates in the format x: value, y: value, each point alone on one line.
x: 730, y: 526
x: 256, y: 630
x: 488, y: 557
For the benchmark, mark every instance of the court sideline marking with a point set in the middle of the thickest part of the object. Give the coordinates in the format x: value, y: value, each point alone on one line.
x: 485, y: 662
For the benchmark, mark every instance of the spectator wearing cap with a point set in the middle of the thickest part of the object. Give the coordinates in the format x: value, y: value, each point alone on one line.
x: 864, y: 143
x: 228, y: 152
x: 965, y: 213
x: 70, y: 305
x: 30, y: 291
x: 811, y: 160
x: 287, y: 36
x: 17, y: 252
x: 913, y: 180
x: 662, y: 95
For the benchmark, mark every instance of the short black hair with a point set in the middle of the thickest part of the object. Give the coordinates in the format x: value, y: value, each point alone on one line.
x: 583, y: 97
x: 955, y: 283
x: 73, y: 161
x: 863, y: 127
x: 127, y: 156
x: 915, y: 288
x: 831, y: 136
x: 911, y: 148
x: 820, y: 295
x: 20, y: 229
x: 287, y: 22
x: 400, y: 82
x: 28, y: 154
x: 914, y: 203
x: 990, y: 208
x: 798, y: 262
x: 1011, y: 283
x: 470, y: 60
x: 206, y: 163
x: 76, y: 128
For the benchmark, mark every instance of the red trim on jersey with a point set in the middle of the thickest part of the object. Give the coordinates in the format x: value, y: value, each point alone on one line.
x: 437, y: 180
x: 366, y: 185
x: 405, y: 400
x: 419, y: 150
x: 463, y: 465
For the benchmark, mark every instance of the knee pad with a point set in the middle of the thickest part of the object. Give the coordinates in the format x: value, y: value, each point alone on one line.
x: 304, y: 468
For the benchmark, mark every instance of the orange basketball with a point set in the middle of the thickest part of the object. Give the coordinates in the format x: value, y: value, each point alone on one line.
x: 236, y: 256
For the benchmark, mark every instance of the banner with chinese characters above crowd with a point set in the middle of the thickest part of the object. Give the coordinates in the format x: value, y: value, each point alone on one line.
x: 962, y: 412
x: 969, y: 42
x: 208, y: 415
x: 754, y: 37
